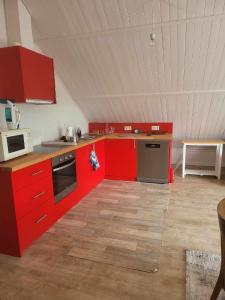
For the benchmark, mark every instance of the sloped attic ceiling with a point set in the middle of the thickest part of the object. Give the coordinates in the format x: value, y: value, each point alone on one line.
x: 104, y: 55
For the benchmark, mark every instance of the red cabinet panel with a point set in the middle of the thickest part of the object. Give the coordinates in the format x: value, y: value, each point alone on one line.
x: 121, y: 159
x: 32, y: 174
x: 24, y: 196
x: 38, y: 75
x: 87, y: 178
x: 35, y: 223
x: 8, y: 225
x: 32, y: 196
x: 26, y: 74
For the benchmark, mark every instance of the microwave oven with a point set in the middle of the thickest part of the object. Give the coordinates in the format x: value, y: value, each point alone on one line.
x: 14, y: 143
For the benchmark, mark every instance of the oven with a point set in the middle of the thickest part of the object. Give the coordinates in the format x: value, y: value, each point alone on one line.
x: 64, y: 175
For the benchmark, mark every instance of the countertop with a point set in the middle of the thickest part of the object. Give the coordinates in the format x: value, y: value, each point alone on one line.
x: 36, y: 157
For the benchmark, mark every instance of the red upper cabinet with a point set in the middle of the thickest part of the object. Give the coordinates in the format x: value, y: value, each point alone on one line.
x: 26, y: 76
x: 121, y: 159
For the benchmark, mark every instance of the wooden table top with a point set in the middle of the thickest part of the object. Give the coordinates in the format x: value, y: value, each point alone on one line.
x: 36, y: 157
x: 203, y: 142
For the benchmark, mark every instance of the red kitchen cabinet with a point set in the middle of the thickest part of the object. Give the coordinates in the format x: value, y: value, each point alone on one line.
x: 32, y: 174
x: 26, y: 206
x: 87, y: 178
x: 8, y: 225
x: 120, y: 159
x: 26, y: 75
x: 28, y: 199
x: 35, y: 223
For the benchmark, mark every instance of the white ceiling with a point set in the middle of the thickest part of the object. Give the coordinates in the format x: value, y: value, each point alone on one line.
x: 104, y: 55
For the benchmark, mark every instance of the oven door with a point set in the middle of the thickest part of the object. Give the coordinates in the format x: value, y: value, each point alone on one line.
x: 64, y: 180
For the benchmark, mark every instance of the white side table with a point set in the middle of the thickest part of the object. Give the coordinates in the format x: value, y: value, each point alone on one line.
x: 217, y: 144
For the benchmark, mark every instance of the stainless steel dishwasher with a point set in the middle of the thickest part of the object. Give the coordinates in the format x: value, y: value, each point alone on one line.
x: 152, y: 161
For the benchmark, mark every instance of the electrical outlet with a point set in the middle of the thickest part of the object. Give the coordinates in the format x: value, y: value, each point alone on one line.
x: 127, y: 128
x: 155, y: 127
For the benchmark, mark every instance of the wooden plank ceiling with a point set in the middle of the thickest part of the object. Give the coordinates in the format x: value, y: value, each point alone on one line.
x: 112, y: 69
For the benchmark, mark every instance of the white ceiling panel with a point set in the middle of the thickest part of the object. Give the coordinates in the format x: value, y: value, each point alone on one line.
x: 104, y: 55
x: 185, y: 56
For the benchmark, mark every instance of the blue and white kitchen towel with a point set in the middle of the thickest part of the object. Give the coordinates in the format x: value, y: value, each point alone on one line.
x: 94, y: 160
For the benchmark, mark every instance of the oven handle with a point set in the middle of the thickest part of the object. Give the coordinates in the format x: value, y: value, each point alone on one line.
x: 64, y: 167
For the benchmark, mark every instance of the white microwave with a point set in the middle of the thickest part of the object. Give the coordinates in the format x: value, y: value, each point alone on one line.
x: 14, y: 143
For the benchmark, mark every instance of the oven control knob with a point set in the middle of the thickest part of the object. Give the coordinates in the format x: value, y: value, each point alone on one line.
x: 70, y: 156
x: 61, y: 159
x: 66, y: 157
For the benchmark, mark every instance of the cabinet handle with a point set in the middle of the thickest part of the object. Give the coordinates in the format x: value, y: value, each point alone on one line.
x: 38, y: 195
x: 37, y: 173
x: 41, y: 219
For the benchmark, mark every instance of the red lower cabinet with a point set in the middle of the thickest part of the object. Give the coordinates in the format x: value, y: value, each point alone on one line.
x: 120, y: 159
x: 34, y: 224
x: 26, y: 206
x: 87, y: 177
x: 8, y: 224
x: 32, y: 174
x: 28, y: 199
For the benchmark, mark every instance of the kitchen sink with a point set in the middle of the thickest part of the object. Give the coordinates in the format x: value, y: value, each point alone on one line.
x: 87, y: 137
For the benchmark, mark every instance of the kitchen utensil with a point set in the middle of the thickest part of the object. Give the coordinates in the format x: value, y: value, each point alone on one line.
x: 12, y: 116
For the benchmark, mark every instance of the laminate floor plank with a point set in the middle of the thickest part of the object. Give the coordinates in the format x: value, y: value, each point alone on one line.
x: 46, y: 271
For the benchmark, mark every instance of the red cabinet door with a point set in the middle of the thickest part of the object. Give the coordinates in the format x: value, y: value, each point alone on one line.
x: 38, y: 75
x: 87, y: 177
x: 26, y: 74
x: 34, y: 224
x: 32, y: 174
x: 121, y: 159
x: 32, y: 196
x: 11, y: 80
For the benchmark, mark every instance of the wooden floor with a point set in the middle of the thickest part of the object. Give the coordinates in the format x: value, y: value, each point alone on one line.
x: 44, y: 272
x: 121, y: 224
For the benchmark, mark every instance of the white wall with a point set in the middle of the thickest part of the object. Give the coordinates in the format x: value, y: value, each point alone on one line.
x: 46, y: 121
x: 3, y: 35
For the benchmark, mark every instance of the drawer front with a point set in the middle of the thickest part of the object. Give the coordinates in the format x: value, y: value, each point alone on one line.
x: 32, y: 174
x: 35, y: 223
x: 31, y: 197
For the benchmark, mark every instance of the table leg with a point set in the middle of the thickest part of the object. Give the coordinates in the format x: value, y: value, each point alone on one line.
x: 219, y: 162
x: 184, y: 161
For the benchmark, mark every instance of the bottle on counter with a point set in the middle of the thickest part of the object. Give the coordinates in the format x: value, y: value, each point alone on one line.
x: 74, y: 138
x: 78, y: 133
